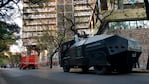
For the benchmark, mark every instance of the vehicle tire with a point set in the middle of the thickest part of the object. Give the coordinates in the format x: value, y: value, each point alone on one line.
x: 101, y: 70
x: 20, y: 68
x: 31, y: 67
x: 125, y: 69
x: 85, y: 69
x: 66, y: 68
x: 23, y: 68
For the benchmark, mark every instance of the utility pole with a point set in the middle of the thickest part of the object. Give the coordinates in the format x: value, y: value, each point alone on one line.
x: 147, y: 63
x: 147, y: 8
x: 147, y: 14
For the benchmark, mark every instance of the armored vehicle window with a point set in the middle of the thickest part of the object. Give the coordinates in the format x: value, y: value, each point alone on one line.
x: 67, y: 45
x: 133, y: 45
x: 79, y: 51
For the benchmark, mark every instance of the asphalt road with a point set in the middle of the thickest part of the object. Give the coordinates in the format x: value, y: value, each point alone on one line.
x: 57, y: 76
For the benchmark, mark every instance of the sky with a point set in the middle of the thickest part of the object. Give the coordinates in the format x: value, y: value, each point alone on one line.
x: 14, y: 14
x: 15, y: 48
x: 17, y: 20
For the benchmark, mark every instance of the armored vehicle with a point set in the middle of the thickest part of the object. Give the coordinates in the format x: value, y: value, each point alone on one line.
x: 106, y: 53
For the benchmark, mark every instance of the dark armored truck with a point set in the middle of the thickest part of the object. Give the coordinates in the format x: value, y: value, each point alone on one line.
x: 106, y: 53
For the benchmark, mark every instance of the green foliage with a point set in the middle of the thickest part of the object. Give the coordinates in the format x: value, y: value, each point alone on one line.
x: 3, y: 60
x: 49, y: 41
x: 7, y: 35
x: 15, y: 58
x: 113, y: 1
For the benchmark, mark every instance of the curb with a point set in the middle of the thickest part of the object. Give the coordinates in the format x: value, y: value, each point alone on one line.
x: 48, y: 68
x: 140, y: 71
x: 59, y: 68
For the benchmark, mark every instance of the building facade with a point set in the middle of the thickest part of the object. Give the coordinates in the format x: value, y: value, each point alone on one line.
x: 57, y: 15
x: 37, y: 19
x: 54, y: 16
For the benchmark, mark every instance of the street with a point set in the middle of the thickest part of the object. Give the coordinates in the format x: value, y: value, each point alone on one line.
x: 57, y: 76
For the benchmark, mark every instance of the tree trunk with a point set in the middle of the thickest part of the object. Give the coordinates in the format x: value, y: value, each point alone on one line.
x: 51, y: 57
x: 104, y: 5
x: 147, y: 67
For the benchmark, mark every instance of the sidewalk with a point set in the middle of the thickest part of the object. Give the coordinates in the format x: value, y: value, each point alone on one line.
x: 48, y: 68
x: 135, y: 70
x: 140, y: 70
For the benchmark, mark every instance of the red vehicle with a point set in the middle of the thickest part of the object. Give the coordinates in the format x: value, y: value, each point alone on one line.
x: 29, y: 62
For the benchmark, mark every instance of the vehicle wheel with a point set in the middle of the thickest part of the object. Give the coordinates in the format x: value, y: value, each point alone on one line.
x: 66, y: 68
x: 20, y: 67
x: 85, y: 69
x: 125, y: 69
x: 101, y: 70
x: 24, y: 68
x: 30, y: 67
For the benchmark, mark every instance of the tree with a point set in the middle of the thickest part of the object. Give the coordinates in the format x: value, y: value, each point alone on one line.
x: 8, y: 31
x: 7, y: 8
x: 7, y: 35
x: 51, y: 43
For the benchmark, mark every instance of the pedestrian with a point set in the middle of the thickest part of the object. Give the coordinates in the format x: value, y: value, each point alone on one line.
x: 147, y: 63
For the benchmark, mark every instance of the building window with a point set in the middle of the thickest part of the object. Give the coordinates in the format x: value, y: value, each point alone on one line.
x: 129, y: 25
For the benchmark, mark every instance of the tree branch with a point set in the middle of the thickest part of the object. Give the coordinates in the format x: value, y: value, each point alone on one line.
x: 4, y: 4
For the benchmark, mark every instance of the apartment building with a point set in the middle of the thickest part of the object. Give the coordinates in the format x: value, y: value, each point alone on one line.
x: 37, y: 19
x: 57, y: 15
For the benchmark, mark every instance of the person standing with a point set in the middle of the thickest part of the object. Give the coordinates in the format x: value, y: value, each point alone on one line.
x: 147, y: 63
